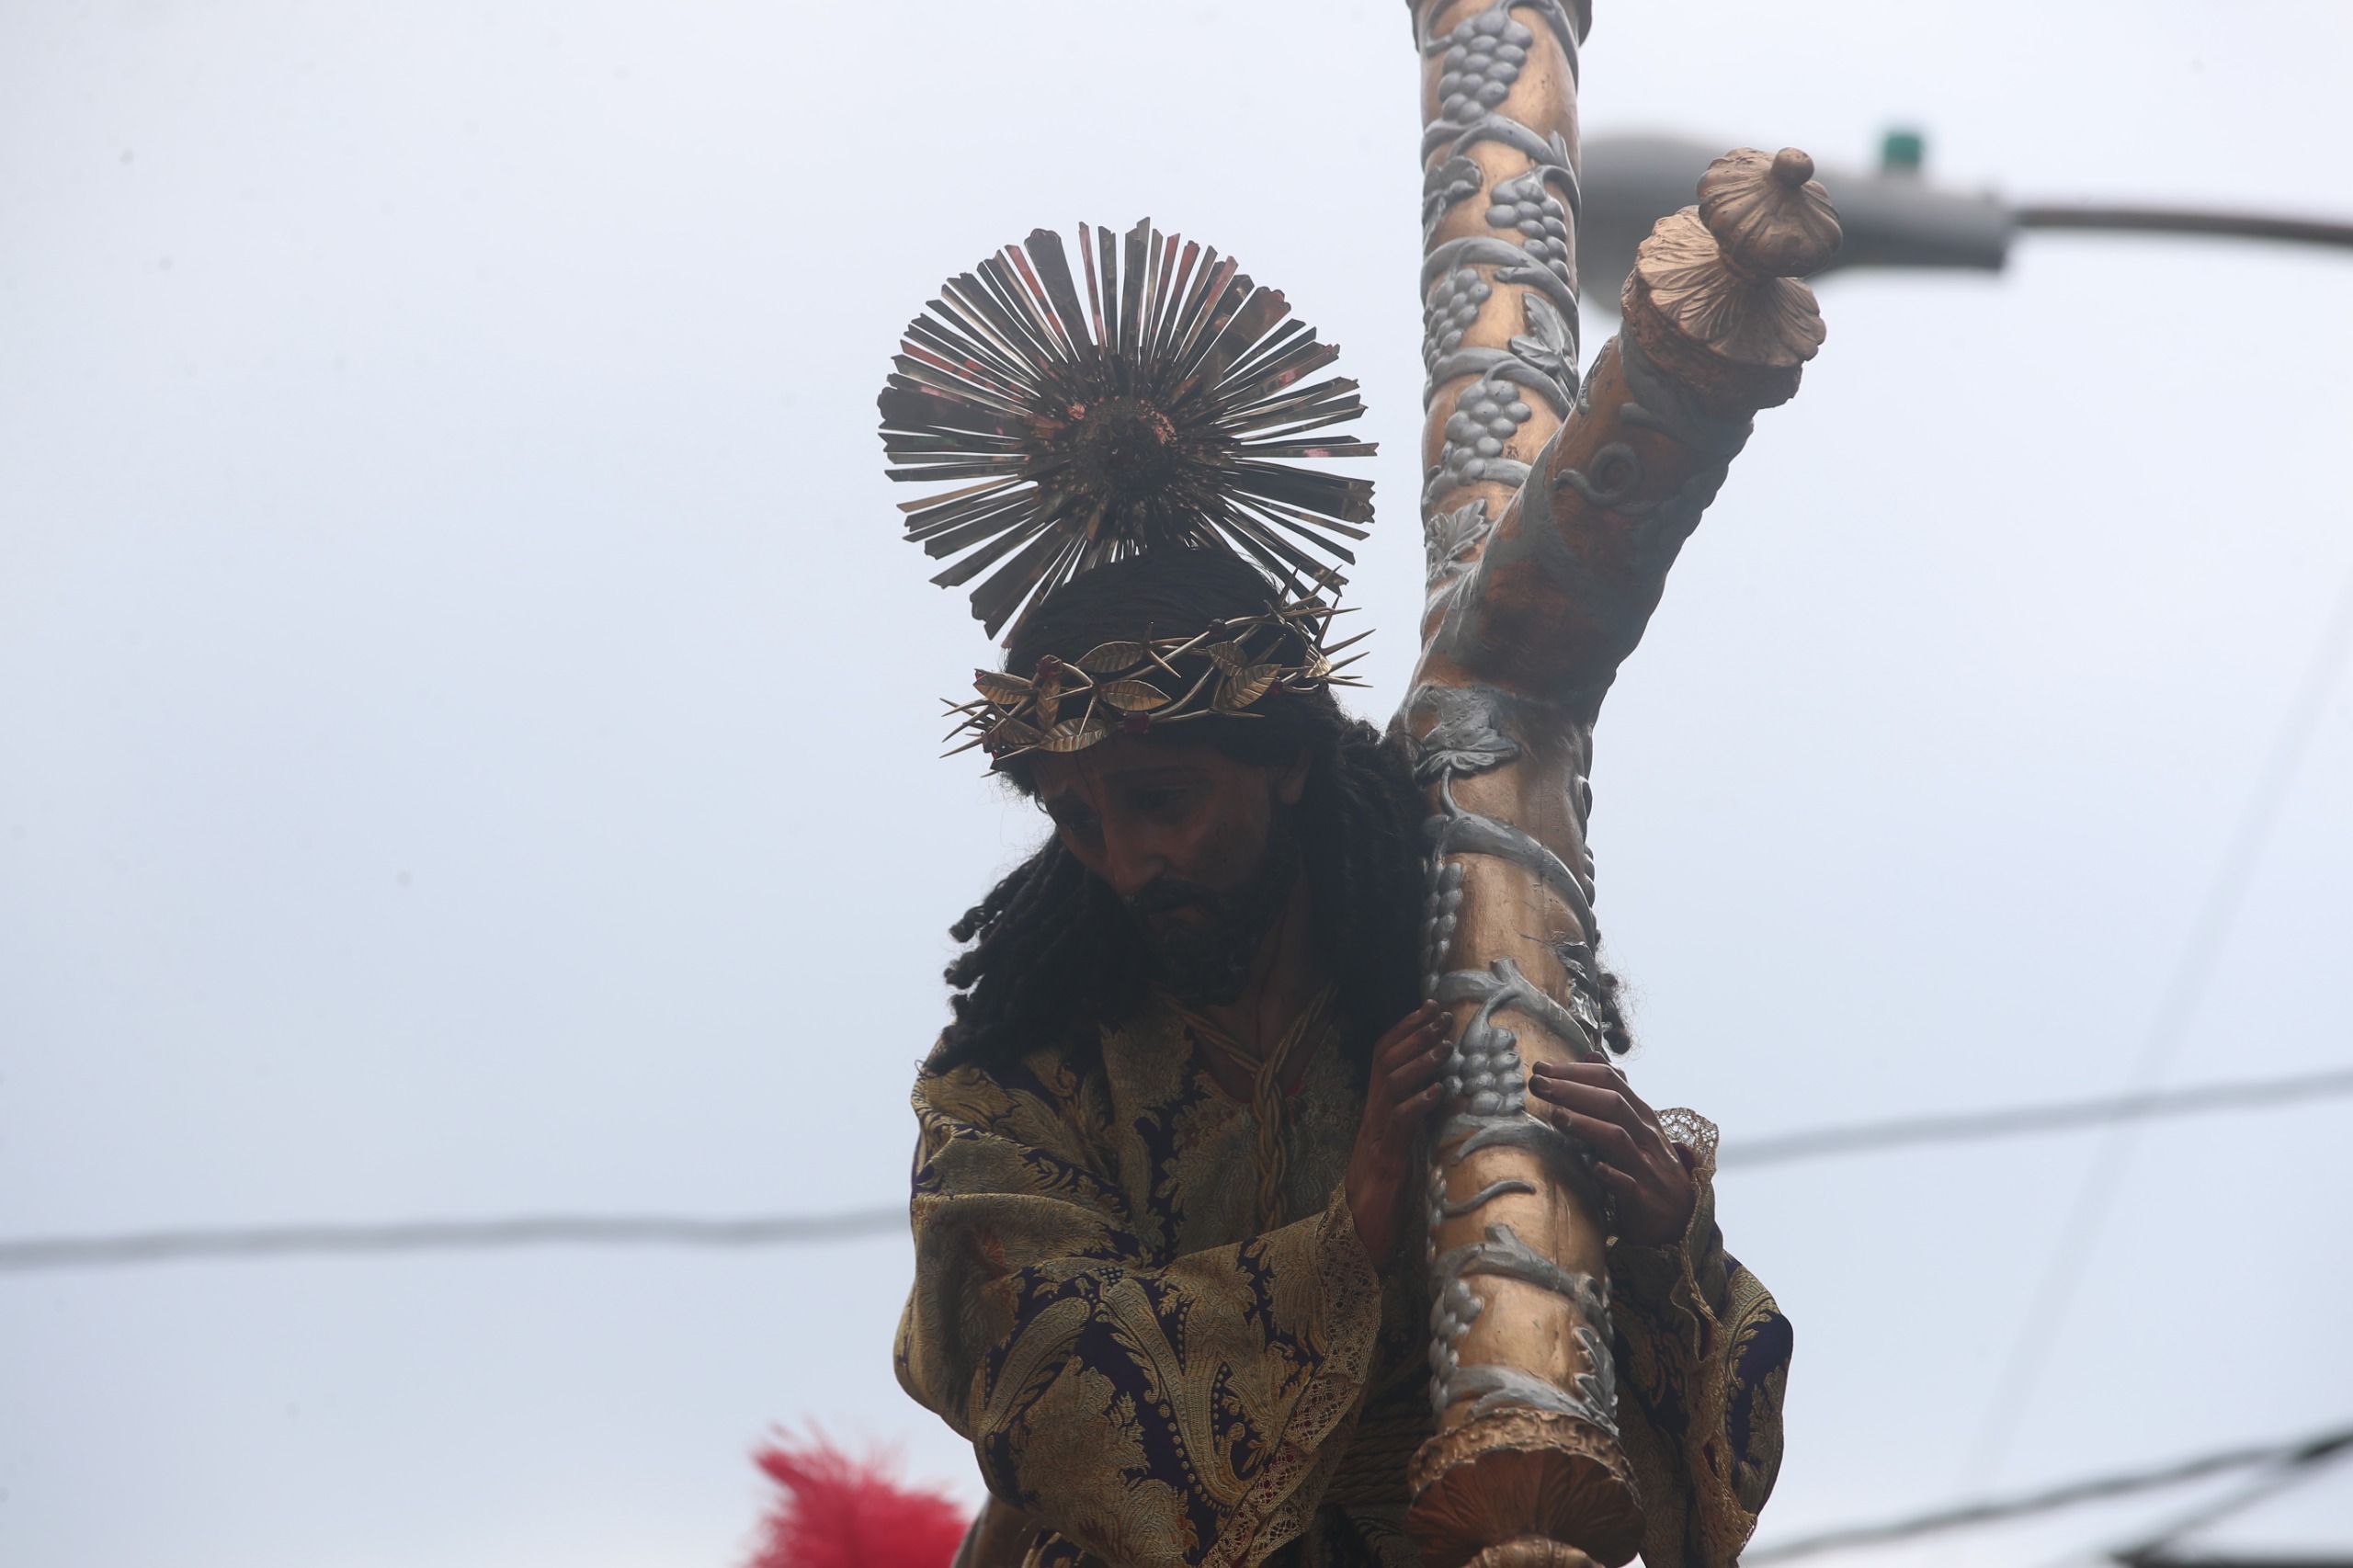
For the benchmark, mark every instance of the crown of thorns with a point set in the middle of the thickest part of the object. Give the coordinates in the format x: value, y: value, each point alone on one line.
x: 1134, y: 688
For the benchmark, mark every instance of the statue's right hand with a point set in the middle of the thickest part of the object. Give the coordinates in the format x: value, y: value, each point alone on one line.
x: 1403, y: 1088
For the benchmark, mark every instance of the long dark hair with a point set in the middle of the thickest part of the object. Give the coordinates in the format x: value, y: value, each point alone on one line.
x: 1053, y: 953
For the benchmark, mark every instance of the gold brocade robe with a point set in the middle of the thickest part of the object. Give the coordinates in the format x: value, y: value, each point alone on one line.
x: 1160, y: 1384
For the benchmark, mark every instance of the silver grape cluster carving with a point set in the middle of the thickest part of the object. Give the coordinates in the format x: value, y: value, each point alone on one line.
x: 1525, y: 205
x: 1488, y: 414
x: 1483, y: 62
x: 1531, y: 217
x: 1449, y: 312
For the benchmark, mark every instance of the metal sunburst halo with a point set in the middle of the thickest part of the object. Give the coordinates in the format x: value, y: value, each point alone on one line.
x: 1148, y: 417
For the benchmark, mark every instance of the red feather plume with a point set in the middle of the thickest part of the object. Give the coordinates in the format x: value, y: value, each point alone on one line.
x: 839, y: 1512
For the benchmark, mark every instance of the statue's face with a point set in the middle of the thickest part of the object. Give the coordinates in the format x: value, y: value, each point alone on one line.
x: 1191, y: 839
x: 1139, y: 813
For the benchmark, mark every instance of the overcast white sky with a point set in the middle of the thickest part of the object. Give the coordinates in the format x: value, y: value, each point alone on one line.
x: 467, y: 721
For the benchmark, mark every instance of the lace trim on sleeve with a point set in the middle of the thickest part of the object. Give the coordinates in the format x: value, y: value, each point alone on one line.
x: 1689, y: 1129
x: 1311, y: 1447
x: 1669, y: 1305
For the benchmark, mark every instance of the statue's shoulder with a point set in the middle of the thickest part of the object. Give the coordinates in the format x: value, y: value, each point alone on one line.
x: 1030, y: 1097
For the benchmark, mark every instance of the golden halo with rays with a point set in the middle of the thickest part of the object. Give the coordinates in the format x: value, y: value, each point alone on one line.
x: 1147, y: 417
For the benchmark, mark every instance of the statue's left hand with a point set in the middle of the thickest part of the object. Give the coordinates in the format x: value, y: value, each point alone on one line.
x: 1644, y: 1170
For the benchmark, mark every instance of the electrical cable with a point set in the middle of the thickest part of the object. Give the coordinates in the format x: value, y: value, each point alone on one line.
x: 2184, y: 989
x: 2303, y: 1452
x: 1870, y: 1137
x: 39, y: 1253
x: 442, y: 1236
x: 2291, y: 1470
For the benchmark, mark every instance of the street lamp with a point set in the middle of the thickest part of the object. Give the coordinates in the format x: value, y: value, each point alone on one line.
x: 1892, y: 216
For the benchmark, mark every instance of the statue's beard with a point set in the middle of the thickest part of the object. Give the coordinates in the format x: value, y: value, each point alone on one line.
x: 1208, y: 960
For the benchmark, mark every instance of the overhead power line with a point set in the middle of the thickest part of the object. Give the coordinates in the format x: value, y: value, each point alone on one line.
x: 2012, y: 1391
x: 1970, y: 1126
x: 2165, y: 1549
x: 444, y: 1235
x: 39, y: 1254
x: 2293, y: 1456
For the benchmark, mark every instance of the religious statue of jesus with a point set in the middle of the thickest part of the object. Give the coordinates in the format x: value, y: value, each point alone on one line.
x: 1277, y: 1194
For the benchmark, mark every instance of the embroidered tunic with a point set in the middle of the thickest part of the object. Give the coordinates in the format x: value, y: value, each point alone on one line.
x: 1159, y: 1382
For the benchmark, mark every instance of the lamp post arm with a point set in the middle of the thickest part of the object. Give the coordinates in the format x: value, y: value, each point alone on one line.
x: 2182, y: 221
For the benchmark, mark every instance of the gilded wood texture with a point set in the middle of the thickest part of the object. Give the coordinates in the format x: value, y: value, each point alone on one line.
x: 1551, y: 515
